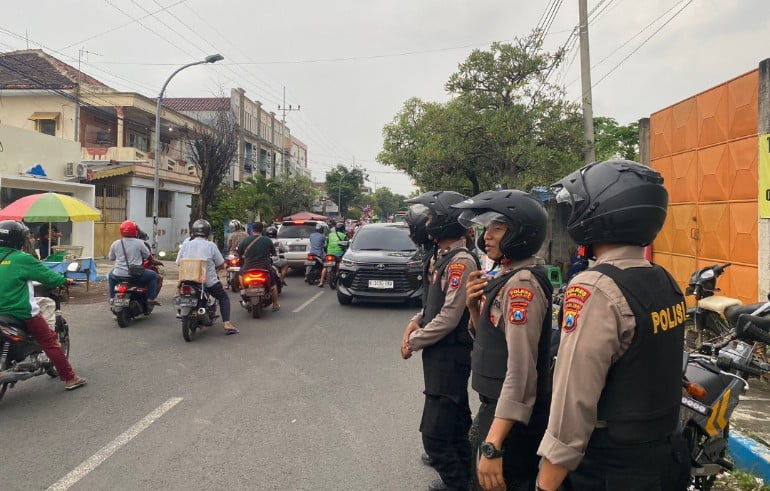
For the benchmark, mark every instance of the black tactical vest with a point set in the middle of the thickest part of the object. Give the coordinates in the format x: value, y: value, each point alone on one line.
x: 427, y: 254
x: 643, y: 390
x: 446, y: 364
x: 489, y: 359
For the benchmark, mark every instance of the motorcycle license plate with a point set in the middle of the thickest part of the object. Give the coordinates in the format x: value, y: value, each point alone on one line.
x: 330, y: 264
x: 381, y: 284
x: 309, y: 263
x: 121, y: 302
x: 296, y: 248
x: 233, y: 268
x: 188, y: 301
x: 254, y: 291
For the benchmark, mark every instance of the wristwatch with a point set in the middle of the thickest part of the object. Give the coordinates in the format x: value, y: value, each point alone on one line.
x: 489, y: 450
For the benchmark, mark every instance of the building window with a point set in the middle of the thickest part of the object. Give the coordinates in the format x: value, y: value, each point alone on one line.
x: 47, y: 126
x: 138, y: 141
x: 164, y: 203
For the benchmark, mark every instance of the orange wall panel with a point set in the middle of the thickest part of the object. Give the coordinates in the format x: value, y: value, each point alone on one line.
x: 743, y: 283
x: 712, y: 116
x: 744, y: 170
x: 684, y: 126
x: 713, y: 174
x: 683, y: 186
x: 714, y: 230
x: 660, y: 133
x: 665, y: 239
x: 743, y: 237
x: 682, y: 218
x: 743, y: 103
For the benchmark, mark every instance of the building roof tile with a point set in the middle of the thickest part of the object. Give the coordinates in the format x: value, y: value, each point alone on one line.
x: 35, y: 69
x: 197, y: 103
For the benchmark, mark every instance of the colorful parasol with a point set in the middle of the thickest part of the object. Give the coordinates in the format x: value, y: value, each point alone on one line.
x: 50, y: 207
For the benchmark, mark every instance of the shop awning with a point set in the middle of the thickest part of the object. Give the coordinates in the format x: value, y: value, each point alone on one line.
x: 112, y: 171
x: 39, y: 116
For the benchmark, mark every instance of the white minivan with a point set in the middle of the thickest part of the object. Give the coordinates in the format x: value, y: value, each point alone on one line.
x: 294, y: 235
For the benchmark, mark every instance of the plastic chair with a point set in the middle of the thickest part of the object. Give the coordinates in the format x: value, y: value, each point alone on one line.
x: 554, y: 275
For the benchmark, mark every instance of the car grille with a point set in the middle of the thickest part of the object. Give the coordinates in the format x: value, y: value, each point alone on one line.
x: 402, y: 281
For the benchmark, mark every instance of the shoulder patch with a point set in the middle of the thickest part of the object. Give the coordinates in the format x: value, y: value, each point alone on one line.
x: 456, y: 271
x: 574, y: 300
x: 522, y: 293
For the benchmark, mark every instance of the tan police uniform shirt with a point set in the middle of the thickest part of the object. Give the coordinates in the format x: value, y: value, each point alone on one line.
x: 523, y: 304
x: 597, y: 329
x: 453, y: 280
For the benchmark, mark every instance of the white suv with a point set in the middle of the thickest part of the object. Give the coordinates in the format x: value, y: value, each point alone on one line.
x: 295, y: 237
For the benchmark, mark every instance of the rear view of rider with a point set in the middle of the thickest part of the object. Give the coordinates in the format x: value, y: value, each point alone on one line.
x: 318, y: 241
x: 200, y: 247
x: 17, y: 271
x: 333, y: 246
x: 127, y: 251
x: 238, y: 233
x: 257, y: 252
x: 281, y: 263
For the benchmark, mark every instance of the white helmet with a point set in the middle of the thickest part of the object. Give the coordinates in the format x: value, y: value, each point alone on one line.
x: 235, y: 225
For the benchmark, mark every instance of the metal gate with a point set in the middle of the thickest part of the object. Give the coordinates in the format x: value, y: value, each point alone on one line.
x: 112, y: 200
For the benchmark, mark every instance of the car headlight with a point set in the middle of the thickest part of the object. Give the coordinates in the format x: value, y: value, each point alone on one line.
x: 414, y: 265
x: 348, y: 263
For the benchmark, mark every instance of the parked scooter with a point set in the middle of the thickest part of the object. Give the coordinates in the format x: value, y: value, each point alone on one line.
x: 130, y: 301
x: 313, y: 267
x: 20, y: 356
x: 233, y: 269
x: 713, y: 380
x: 196, y: 308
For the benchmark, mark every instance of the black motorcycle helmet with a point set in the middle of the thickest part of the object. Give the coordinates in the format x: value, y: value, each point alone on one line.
x: 524, y: 217
x: 271, y: 232
x: 443, y: 218
x: 13, y: 234
x: 201, y: 228
x: 616, y: 201
x: 416, y: 222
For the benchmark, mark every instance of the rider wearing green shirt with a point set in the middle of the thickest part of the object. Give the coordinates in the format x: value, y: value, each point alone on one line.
x: 333, y: 246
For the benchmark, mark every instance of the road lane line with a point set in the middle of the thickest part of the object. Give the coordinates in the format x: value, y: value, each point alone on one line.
x: 308, y: 302
x: 106, y: 451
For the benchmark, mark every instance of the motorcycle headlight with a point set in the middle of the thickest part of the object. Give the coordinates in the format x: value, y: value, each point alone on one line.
x: 707, y: 275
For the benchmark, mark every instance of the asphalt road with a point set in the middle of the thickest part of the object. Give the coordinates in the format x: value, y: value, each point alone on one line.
x: 313, y: 400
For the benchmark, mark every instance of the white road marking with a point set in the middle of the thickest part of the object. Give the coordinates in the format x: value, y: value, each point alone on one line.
x: 106, y: 451
x: 308, y: 302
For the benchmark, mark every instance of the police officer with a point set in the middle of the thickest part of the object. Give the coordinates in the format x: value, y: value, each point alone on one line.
x: 440, y: 330
x: 511, y: 316
x: 419, y: 235
x: 617, y: 381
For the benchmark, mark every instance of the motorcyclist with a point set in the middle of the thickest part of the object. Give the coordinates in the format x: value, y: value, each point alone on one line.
x: 317, y: 244
x: 127, y: 251
x: 200, y: 247
x: 17, y: 270
x: 238, y: 233
x: 281, y: 263
x: 151, y: 263
x: 257, y: 252
x: 333, y: 246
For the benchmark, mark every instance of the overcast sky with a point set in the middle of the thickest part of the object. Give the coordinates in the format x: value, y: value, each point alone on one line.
x: 385, y: 51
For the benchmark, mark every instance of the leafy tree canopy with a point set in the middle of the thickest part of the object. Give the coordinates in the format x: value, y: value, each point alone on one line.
x: 344, y: 185
x: 615, y: 141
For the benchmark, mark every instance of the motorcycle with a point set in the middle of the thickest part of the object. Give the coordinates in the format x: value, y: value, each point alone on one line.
x: 196, y: 308
x: 713, y: 315
x: 256, y: 292
x: 714, y: 377
x: 332, y: 265
x: 313, y: 267
x: 233, y: 270
x: 20, y: 356
x: 130, y: 301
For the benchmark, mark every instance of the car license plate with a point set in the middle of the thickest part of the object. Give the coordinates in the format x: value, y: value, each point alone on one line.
x: 254, y: 291
x: 383, y: 284
x: 296, y: 248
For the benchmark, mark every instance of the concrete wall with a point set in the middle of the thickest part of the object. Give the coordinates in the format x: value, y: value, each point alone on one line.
x: 16, y: 106
x: 21, y: 149
x: 171, y: 231
x: 763, y: 127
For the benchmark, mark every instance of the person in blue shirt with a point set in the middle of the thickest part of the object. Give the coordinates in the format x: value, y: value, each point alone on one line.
x: 318, y: 241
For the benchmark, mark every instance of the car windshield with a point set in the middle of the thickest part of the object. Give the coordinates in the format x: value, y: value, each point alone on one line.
x: 382, y: 239
x: 292, y: 231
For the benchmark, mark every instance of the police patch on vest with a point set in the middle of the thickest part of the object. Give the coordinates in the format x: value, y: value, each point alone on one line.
x: 527, y: 295
x: 574, y: 299
x: 517, y: 313
x: 456, y: 274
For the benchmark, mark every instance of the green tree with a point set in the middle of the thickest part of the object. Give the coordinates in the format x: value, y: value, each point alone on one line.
x: 504, y: 125
x: 615, y: 141
x: 344, y: 185
x: 293, y: 194
x: 386, y: 202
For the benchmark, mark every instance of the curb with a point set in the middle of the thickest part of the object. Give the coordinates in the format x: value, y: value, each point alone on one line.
x: 749, y: 455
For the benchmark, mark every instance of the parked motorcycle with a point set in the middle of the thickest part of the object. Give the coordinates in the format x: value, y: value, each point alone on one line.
x: 196, y: 308
x: 313, y: 267
x: 713, y: 379
x: 20, y: 356
x: 710, y: 318
x: 233, y: 269
x: 130, y: 301
x: 256, y: 292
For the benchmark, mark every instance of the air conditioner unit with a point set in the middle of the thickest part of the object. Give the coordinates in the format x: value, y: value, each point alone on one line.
x: 81, y: 170
x: 69, y: 170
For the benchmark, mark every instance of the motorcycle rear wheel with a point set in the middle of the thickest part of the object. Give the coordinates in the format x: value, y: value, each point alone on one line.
x: 124, y: 317
x: 189, y: 325
x: 332, y: 279
x: 256, y: 309
x: 234, y: 284
x: 4, y: 387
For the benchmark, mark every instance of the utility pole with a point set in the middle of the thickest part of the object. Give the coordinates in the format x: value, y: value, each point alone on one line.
x: 77, y: 99
x: 589, y: 153
x: 284, y: 153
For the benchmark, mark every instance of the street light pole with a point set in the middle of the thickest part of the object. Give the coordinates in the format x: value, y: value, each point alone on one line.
x: 156, y: 183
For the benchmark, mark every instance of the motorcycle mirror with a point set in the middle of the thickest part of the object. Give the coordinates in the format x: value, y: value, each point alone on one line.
x: 346, y: 243
x: 73, y: 266
x: 706, y: 349
x: 162, y: 254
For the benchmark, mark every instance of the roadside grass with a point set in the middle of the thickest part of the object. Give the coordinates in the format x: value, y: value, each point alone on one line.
x: 739, y: 481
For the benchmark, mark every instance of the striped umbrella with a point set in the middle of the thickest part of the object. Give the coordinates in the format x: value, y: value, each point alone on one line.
x: 50, y: 207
